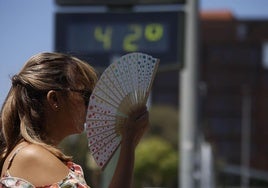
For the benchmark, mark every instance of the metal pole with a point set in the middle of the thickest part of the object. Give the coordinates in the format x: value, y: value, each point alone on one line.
x: 206, y: 176
x: 188, y: 97
x: 245, y: 138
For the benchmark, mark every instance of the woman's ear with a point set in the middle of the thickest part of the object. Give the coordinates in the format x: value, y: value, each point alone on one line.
x: 53, y: 100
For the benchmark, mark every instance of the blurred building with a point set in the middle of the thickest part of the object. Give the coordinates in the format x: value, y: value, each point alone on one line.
x: 234, y: 70
x: 233, y: 92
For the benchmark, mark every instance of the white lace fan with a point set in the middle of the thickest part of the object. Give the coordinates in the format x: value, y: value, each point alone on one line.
x: 124, y: 85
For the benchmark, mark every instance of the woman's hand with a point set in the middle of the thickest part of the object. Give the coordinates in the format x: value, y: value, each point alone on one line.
x: 135, y: 126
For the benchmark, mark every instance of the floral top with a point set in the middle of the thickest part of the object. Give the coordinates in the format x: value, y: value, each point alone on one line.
x: 75, y: 179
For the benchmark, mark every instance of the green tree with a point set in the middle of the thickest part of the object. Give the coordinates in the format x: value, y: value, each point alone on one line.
x: 164, y: 123
x: 156, y: 163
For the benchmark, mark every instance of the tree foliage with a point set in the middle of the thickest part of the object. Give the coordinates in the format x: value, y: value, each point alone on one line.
x: 164, y: 123
x: 156, y: 163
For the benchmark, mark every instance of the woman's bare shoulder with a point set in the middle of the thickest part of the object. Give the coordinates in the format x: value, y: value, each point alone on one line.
x: 37, y: 165
x: 32, y: 154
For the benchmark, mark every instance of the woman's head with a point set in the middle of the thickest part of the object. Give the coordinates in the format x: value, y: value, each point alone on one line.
x: 24, y: 109
x: 46, y: 71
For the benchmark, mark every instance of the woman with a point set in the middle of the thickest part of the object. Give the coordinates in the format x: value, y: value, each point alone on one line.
x: 48, y: 101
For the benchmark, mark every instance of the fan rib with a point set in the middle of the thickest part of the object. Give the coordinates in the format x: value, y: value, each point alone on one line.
x: 109, y: 158
x: 111, y: 89
x: 96, y: 137
x: 107, y: 96
x: 102, y: 126
x: 103, y: 99
x: 126, y: 93
x: 104, y: 143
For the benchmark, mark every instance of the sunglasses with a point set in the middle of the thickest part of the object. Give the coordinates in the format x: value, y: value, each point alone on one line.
x: 84, y: 93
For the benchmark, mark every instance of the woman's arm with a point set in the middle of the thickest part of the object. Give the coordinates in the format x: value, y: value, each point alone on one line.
x: 132, y: 132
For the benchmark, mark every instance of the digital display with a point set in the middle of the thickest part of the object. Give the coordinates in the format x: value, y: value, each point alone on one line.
x: 98, y: 37
x: 118, y: 37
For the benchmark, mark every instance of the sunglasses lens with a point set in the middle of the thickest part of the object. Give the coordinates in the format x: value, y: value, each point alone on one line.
x: 84, y: 93
x: 86, y: 96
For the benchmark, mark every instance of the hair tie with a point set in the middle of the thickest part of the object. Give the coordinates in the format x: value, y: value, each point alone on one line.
x: 16, y: 80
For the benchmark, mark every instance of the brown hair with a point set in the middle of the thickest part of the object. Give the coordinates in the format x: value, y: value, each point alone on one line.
x: 22, y: 113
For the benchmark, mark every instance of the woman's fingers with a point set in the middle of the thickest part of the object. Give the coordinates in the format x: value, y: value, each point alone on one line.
x: 136, y: 125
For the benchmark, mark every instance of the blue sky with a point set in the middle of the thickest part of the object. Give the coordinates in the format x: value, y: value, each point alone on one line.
x: 26, y: 28
x: 240, y: 8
